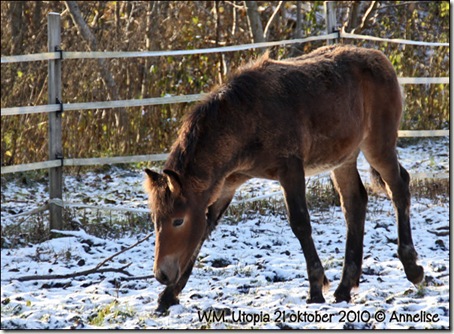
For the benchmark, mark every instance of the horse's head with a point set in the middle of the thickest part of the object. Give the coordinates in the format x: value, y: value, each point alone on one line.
x: 179, y: 229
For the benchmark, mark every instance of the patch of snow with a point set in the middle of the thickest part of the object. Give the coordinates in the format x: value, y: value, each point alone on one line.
x: 250, y: 273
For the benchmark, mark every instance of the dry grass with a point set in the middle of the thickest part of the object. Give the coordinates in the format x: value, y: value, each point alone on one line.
x: 433, y: 189
x: 321, y: 196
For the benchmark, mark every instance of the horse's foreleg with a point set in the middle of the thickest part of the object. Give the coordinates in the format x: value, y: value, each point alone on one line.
x: 353, y: 197
x: 291, y: 177
x: 169, y: 296
x: 217, y: 209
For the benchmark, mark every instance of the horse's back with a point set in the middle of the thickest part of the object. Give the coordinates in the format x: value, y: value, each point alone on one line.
x: 372, y: 102
x: 347, y: 86
x: 325, y: 104
x: 348, y: 58
x: 320, y: 107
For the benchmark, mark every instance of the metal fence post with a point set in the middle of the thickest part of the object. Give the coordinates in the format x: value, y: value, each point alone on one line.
x: 330, y: 18
x: 55, y: 126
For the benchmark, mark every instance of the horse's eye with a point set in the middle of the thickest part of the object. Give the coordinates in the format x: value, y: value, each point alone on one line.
x: 178, y: 222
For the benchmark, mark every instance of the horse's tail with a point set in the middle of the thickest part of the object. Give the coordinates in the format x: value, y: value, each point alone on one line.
x: 377, y: 182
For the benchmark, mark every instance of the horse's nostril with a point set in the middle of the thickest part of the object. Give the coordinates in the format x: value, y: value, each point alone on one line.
x: 162, y: 277
x: 167, y: 271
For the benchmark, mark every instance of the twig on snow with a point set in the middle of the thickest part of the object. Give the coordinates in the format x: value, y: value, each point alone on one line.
x: 94, y: 270
x: 135, y: 278
x: 123, y: 250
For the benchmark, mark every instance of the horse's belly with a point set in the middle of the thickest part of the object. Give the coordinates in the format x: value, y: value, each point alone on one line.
x: 314, y: 170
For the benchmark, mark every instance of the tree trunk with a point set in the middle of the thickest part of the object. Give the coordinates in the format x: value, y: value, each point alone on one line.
x: 151, y: 44
x: 220, y: 62
x: 355, y: 23
x: 353, y: 16
x: 298, y: 32
x: 37, y: 16
x: 17, y: 26
x: 255, y: 24
x: 121, y: 116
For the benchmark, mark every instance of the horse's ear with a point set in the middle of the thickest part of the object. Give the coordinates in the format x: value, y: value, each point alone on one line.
x: 173, y: 180
x: 153, y: 177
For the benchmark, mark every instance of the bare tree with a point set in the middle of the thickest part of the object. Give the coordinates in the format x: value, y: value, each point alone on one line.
x: 355, y: 22
x: 353, y: 16
x: 37, y: 15
x: 298, y: 32
x: 258, y: 34
x: 255, y: 24
x: 151, y: 43
x: 366, y: 19
x: 17, y: 32
x: 121, y: 116
x: 266, y: 32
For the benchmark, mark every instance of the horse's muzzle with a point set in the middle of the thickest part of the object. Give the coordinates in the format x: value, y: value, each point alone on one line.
x: 167, y: 272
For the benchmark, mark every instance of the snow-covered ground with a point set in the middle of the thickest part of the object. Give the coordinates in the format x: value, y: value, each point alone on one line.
x: 250, y: 274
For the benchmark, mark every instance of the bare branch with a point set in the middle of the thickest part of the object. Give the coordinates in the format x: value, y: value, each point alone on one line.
x: 132, y: 278
x: 95, y: 270
x: 271, y: 20
x: 123, y: 250
x: 108, y: 80
x: 234, y: 5
x: 366, y: 18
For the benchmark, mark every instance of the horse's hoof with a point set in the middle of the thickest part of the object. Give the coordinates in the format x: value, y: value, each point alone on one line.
x: 316, y: 299
x: 342, y: 294
x: 163, y: 308
x: 161, y: 311
x: 339, y: 298
x: 415, y: 274
x: 165, y: 300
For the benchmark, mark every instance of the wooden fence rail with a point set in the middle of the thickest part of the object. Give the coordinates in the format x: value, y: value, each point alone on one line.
x: 222, y: 49
x: 48, y: 108
x: 55, y: 57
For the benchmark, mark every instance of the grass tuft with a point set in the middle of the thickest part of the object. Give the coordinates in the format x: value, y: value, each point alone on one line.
x: 320, y: 195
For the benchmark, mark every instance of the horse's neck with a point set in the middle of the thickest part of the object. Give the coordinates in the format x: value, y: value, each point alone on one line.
x: 203, y: 167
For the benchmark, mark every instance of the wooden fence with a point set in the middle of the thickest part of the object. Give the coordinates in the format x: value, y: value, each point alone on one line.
x: 55, y: 56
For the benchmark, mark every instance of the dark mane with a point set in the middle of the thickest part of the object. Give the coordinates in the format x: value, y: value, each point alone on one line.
x: 239, y: 90
x: 194, y: 123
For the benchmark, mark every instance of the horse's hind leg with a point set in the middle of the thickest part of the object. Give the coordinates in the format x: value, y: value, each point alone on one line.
x: 291, y: 177
x: 397, y: 181
x: 353, y: 198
